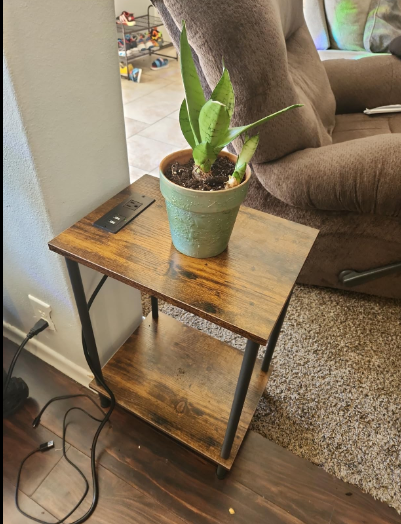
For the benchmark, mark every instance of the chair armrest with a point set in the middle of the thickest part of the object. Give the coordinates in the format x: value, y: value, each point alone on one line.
x: 361, y: 176
x: 365, y: 83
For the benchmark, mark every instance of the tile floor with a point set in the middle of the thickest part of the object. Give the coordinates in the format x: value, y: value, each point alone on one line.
x: 151, y: 116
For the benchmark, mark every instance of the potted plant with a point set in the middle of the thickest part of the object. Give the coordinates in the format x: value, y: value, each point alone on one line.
x: 204, y: 186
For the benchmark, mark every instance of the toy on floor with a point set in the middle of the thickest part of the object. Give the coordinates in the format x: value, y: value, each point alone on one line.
x: 135, y: 75
x: 123, y: 69
x: 159, y: 63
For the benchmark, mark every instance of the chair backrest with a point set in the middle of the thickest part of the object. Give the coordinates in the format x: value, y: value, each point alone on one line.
x: 272, y: 62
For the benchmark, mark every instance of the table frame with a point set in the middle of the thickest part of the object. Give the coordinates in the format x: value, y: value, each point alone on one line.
x: 245, y: 374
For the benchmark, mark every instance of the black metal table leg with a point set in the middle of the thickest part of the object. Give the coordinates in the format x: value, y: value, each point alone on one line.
x: 221, y: 472
x: 245, y: 375
x: 87, y: 329
x: 155, y: 307
x: 271, y: 343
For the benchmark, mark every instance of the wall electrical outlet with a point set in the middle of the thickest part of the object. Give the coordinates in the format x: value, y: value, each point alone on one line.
x: 42, y: 310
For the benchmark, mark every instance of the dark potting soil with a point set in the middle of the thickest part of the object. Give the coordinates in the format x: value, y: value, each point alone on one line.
x: 181, y: 174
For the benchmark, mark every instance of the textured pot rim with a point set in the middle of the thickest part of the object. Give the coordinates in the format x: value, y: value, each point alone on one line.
x: 170, y: 158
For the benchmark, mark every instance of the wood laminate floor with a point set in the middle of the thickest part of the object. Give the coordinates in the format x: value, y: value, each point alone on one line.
x: 146, y: 477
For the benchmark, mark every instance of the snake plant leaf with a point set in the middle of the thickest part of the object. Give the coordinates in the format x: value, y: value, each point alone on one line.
x: 239, y: 172
x: 224, y: 92
x: 193, y: 89
x: 186, y: 125
x: 247, y: 152
x: 213, y: 122
x: 205, y: 155
x: 234, y: 132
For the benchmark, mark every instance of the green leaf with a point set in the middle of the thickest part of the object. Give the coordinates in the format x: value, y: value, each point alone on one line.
x: 234, y: 132
x: 239, y: 172
x: 248, y: 150
x: 193, y: 89
x: 213, y: 122
x: 186, y: 125
x: 204, y: 156
x: 224, y: 92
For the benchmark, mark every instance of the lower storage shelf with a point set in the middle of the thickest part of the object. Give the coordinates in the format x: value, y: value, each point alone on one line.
x: 182, y: 381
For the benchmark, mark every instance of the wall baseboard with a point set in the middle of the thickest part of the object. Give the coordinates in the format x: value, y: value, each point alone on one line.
x: 48, y: 355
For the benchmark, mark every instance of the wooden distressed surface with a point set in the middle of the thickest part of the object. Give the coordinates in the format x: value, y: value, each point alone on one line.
x: 182, y: 381
x: 243, y: 289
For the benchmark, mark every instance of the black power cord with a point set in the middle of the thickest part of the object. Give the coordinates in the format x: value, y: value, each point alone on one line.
x: 40, y: 326
x: 49, y: 445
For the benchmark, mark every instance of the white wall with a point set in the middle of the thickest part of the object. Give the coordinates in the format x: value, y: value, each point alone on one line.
x: 64, y: 154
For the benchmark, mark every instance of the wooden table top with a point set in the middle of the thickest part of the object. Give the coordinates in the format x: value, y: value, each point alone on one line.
x: 244, y: 289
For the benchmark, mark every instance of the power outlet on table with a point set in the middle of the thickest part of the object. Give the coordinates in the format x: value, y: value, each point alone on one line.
x: 42, y: 310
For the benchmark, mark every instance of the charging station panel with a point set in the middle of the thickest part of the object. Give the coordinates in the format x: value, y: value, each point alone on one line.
x: 124, y: 213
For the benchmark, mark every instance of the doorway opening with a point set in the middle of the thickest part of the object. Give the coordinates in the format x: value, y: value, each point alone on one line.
x: 151, y: 84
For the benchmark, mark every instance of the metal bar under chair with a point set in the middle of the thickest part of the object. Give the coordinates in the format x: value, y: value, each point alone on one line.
x: 350, y: 277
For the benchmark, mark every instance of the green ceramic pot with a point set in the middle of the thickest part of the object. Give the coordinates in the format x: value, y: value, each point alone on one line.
x: 201, y: 222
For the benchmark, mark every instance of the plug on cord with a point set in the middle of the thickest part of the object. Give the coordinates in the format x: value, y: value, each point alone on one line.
x: 14, y: 400
x: 46, y: 446
x: 40, y: 326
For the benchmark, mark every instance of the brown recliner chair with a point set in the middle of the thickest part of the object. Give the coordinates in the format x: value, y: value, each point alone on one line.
x: 326, y: 165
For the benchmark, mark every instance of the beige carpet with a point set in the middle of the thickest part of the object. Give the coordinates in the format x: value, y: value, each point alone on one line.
x: 334, y: 396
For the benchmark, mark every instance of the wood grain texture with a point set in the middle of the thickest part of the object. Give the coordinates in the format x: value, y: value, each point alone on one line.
x: 267, y: 484
x: 18, y: 428
x: 182, y: 381
x: 312, y: 494
x: 10, y: 513
x: 243, y: 289
x: 119, y: 502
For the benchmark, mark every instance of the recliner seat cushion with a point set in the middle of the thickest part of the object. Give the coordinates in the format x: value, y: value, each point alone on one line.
x: 356, y: 125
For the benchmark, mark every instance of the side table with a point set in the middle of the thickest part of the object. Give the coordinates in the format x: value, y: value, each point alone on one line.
x: 189, y: 385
